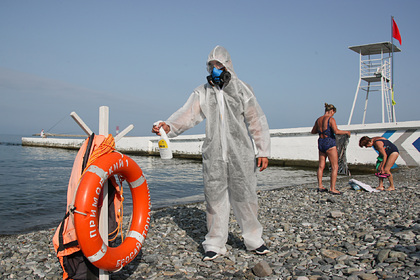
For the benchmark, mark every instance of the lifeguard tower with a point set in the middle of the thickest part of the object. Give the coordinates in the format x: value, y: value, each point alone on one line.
x: 375, y: 75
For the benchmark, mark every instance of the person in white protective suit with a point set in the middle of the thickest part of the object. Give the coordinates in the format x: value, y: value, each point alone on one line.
x: 234, y: 119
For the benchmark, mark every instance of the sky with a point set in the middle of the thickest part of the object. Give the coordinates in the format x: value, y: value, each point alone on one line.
x: 143, y: 59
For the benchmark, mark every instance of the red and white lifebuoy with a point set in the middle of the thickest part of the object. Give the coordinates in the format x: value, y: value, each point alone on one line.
x: 86, y: 216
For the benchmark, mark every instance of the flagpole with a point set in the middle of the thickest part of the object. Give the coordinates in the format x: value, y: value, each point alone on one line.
x: 392, y: 60
x: 392, y: 68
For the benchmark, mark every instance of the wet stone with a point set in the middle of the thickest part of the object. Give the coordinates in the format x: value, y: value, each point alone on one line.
x: 262, y: 269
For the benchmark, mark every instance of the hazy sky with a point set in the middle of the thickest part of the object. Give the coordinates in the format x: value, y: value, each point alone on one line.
x: 144, y: 58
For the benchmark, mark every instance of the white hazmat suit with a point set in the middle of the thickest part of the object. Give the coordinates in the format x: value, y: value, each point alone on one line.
x: 234, y: 118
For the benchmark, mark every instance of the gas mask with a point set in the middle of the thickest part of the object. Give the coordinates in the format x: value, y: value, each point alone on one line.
x: 219, y: 77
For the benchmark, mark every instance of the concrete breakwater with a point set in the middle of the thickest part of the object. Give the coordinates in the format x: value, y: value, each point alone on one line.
x: 289, y: 147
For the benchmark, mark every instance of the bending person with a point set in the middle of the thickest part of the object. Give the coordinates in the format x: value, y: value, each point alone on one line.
x: 326, y: 127
x: 233, y: 116
x: 388, y: 154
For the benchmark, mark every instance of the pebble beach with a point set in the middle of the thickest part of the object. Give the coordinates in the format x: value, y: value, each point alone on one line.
x: 311, y: 235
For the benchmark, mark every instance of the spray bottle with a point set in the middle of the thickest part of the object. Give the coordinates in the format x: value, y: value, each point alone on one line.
x: 164, y: 144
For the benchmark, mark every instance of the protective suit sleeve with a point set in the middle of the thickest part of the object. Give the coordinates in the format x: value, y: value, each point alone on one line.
x: 258, y: 126
x: 188, y: 116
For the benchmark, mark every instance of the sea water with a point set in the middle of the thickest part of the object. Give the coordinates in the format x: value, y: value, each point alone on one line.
x: 34, y: 180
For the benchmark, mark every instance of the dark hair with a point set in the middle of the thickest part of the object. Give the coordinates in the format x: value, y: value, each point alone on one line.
x: 329, y: 107
x: 363, y: 141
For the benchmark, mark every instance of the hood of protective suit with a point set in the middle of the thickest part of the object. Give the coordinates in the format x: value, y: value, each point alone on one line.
x: 221, y: 55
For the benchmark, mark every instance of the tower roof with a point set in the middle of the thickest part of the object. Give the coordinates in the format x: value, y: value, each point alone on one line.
x: 375, y: 48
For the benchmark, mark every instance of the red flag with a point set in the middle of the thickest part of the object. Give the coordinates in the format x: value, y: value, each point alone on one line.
x: 395, y: 31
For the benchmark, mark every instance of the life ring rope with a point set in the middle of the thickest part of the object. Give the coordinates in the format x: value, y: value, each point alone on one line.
x: 78, y: 212
x: 119, y: 229
x: 106, y: 147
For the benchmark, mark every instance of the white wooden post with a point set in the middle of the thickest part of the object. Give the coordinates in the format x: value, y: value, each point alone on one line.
x: 123, y: 133
x: 103, y: 217
x: 81, y: 123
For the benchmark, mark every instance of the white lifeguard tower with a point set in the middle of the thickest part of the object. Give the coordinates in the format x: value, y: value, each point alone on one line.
x: 376, y: 74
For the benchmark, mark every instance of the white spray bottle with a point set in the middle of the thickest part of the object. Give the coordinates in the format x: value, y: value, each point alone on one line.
x: 164, y: 144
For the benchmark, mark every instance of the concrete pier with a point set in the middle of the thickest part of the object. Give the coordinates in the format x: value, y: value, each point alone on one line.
x: 289, y: 147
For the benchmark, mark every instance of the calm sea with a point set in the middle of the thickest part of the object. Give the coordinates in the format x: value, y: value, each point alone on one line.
x: 33, y: 183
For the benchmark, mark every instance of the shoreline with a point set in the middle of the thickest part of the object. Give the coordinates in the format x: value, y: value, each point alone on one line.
x: 357, y: 235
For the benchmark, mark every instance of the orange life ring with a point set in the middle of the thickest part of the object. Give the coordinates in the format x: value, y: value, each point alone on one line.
x: 86, y: 215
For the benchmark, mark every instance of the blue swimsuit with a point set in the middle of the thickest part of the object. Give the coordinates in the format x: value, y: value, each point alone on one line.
x: 324, y: 144
x: 388, y: 146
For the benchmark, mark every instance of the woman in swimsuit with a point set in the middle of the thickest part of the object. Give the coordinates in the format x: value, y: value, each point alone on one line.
x: 389, y: 153
x: 326, y: 127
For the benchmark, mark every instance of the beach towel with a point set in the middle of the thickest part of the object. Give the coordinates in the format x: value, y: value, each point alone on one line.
x: 357, y: 185
x: 342, y: 141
